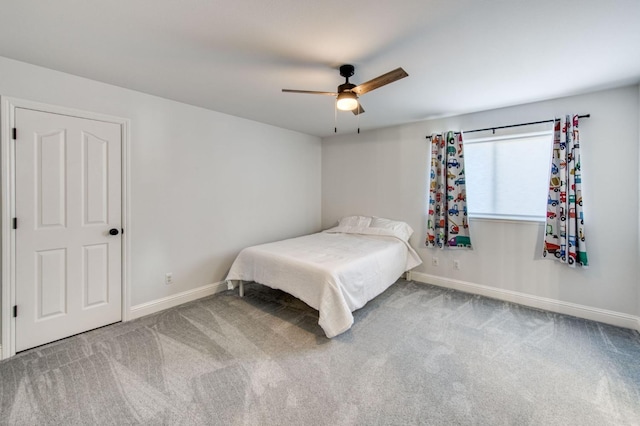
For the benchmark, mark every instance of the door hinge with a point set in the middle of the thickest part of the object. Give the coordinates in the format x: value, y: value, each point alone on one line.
x: 14, y: 133
x: 15, y: 223
x: 15, y: 311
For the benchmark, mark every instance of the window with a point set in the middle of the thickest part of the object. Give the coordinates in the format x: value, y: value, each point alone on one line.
x: 508, y: 176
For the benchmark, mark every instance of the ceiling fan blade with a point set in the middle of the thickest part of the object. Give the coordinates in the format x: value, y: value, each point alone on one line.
x: 310, y: 92
x: 359, y: 110
x: 380, y: 81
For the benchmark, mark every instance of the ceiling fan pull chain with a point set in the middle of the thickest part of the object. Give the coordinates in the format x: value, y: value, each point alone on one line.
x: 335, y: 117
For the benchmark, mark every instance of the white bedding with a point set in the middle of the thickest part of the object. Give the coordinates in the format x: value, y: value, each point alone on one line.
x: 336, y: 271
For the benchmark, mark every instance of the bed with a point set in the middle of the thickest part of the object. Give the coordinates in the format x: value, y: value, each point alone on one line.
x: 335, y: 271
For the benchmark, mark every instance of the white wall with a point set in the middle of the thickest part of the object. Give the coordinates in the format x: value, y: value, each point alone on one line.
x: 203, y: 184
x: 384, y: 173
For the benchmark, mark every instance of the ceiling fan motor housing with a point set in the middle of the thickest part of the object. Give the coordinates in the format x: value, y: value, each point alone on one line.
x: 346, y: 87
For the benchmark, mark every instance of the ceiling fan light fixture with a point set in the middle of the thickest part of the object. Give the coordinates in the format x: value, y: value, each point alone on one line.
x: 347, y: 101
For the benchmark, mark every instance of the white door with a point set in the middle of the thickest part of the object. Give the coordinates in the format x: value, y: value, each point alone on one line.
x: 67, y: 192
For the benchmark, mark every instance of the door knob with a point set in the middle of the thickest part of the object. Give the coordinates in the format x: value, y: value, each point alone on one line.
x: 113, y: 231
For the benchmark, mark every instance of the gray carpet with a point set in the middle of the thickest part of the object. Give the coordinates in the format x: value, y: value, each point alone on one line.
x: 417, y: 354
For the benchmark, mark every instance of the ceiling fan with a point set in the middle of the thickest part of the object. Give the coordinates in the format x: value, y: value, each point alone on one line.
x: 347, y: 93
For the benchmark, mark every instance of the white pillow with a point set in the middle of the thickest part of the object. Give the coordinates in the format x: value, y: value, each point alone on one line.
x: 362, y: 221
x: 400, y: 228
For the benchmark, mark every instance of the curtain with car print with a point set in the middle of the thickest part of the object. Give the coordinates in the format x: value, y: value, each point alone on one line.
x: 565, y: 235
x: 447, y: 222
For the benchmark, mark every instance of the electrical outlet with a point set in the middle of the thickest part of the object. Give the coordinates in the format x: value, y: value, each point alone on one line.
x: 456, y: 265
x: 168, y: 278
x: 435, y: 261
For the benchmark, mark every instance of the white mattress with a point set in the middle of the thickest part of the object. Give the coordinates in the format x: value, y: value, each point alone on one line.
x: 333, y: 272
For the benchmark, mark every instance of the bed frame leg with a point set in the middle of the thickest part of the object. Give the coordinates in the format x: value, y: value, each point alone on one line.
x: 231, y: 286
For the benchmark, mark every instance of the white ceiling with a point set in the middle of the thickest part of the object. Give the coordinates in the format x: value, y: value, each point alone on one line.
x: 236, y: 56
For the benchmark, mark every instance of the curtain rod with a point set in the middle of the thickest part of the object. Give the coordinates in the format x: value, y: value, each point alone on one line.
x: 513, y: 125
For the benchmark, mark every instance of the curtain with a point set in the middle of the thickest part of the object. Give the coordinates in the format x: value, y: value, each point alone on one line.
x: 565, y: 236
x: 447, y: 223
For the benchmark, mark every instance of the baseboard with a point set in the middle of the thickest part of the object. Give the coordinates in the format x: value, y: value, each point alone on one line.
x: 581, y: 311
x: 158, y: 305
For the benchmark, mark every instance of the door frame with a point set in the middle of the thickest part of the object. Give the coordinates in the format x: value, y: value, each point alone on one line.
x: 7, y: 200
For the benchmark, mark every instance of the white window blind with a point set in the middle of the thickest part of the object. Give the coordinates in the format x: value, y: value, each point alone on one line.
x: 508, y: 176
